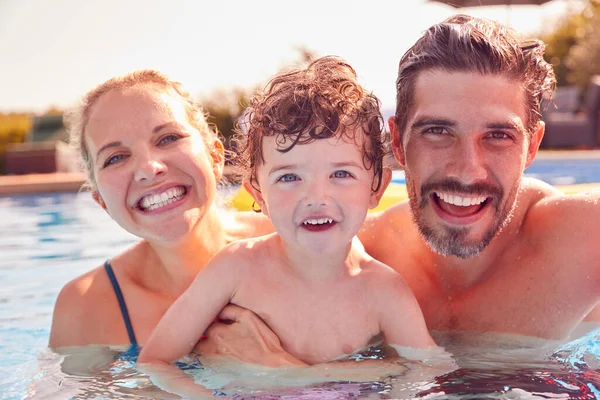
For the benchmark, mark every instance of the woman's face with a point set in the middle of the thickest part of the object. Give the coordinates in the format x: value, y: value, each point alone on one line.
x: 154, y: 174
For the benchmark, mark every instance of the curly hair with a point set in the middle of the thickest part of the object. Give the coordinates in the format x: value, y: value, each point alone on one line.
x: 463, y: 43
x: 321, y: 101
x: 76, y: 119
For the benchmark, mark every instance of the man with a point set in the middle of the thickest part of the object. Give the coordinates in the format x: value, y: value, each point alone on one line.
x: 482, y: 248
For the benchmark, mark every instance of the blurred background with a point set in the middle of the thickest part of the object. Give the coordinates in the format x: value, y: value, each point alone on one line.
x: 52, y: 52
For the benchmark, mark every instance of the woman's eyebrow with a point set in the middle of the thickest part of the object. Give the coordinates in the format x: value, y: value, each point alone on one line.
x: 108, y: 146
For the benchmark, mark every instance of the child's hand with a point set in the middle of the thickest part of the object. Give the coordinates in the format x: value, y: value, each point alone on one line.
x: 245, y: 336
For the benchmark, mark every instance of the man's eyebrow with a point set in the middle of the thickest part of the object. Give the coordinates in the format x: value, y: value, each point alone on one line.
x: 507, y: 125
x: 427, y: 121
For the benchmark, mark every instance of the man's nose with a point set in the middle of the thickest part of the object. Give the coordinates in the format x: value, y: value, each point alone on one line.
x: 148, y: 167
x: 468, y: 163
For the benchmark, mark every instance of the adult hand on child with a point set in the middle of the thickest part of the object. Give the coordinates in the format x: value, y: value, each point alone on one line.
x: 240, y: 333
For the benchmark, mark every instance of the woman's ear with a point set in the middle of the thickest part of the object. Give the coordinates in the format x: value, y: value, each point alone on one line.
x: 217, y: 154
x: 98, y: 199
x: 386, y: 177
x: 257, y: 195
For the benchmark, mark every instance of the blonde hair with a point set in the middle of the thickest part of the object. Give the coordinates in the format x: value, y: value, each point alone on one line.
x: 77, y: 118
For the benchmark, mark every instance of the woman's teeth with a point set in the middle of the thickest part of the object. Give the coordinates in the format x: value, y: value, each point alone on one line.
x: 319, y: 221
x: 154, y: 201
x: 459, y: 200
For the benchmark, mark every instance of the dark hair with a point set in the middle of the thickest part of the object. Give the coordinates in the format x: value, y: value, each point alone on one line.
x: 468, y: 44
x: 320, y: 101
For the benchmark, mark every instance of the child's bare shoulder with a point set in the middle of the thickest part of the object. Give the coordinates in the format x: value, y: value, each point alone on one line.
x: 384, y: 277
x: 247, y: 251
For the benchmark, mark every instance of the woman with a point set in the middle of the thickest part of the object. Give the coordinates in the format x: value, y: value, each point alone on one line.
x: 152, y: 163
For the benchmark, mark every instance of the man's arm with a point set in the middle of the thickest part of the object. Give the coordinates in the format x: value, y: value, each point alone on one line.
x: 184, y: 322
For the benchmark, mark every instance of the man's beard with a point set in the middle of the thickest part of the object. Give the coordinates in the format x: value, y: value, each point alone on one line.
x: 454, y: 241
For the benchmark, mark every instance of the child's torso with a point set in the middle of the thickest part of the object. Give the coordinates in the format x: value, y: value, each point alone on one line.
x: 315, y: 322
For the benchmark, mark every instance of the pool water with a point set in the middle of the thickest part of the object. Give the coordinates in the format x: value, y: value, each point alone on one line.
x: 51, y: 238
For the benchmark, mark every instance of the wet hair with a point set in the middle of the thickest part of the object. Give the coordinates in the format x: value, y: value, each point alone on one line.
x: 321, y: 101
x: 76, y: 119
x: 463, y: 43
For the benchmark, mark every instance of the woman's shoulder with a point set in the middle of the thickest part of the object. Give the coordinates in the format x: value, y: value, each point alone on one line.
x: 86, y: 306
x: 79, y: 302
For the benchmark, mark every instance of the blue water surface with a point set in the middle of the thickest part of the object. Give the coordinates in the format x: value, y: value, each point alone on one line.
x: 49, y: 239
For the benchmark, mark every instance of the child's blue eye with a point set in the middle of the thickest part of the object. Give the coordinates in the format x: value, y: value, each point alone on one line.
x: 288, y: 178
x: 113, y: 159
x: 169, y: 138
x: 341, y: 174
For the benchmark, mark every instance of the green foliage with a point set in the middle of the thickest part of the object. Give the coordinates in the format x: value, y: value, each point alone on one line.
x: 573, y: 48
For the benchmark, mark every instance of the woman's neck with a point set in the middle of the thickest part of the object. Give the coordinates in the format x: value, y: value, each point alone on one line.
x: 177, y: 263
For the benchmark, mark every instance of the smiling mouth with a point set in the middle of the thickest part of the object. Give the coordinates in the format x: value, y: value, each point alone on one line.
x: 460, y: 206
x: 318, y: 224
x: 153, y: 202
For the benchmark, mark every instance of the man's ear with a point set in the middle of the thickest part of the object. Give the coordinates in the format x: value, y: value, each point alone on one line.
x: 397, y: 148
x: 98, y: 199
x: 218, y: 158
x: 376, y: 196
x: 534, y: 143
x: 257, y: 196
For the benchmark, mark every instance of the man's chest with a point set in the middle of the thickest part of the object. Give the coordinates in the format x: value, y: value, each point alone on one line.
x: 528, y: 295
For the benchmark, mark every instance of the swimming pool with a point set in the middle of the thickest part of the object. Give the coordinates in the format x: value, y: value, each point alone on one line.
x: 49, y: 239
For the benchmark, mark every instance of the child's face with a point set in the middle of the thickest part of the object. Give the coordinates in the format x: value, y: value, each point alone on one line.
x: 318, y: 194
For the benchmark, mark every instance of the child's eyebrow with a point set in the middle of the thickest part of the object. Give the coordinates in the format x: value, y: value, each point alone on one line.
x: 346, y: 164
x: 282, y: 167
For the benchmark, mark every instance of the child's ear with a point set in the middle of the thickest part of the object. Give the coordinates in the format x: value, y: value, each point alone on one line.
x: 386, y: 177
x: 98, y: 199
x: 257, y: 196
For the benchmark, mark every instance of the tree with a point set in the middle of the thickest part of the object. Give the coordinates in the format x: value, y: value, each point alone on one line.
x: 572, y: 49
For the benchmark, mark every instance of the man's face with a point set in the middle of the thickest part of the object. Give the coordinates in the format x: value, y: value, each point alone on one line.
x: 464, y: 149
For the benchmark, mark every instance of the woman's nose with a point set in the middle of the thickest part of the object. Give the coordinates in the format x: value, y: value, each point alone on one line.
x: 149, y: 168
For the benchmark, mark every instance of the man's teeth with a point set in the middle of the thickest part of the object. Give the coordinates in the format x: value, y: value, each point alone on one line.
x: 154, y: 201
x: 459, y: 200
x: 319, y: 221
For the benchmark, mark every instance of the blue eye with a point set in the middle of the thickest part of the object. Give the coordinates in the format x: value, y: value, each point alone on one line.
x: 288, y: 178
x: 342, y: 174
x: 169, y: 138
x: 113, y: 159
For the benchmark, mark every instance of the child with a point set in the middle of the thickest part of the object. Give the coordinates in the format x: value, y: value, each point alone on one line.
x: 314, y: 152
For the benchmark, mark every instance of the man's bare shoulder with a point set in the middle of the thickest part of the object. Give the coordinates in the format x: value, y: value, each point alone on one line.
x: 383, y: 229
x: 552, y: 209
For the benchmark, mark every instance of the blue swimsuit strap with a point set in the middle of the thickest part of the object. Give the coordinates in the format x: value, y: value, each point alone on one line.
x: 119, y: 294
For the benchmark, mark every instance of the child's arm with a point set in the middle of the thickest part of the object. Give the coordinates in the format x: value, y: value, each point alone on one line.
x: 184, y: 322
x: 401, y: 319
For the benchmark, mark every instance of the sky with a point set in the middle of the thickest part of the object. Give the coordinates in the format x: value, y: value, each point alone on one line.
x: 52, y: 52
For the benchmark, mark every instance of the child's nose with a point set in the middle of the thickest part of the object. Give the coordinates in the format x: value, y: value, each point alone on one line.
x: 317, y: 195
